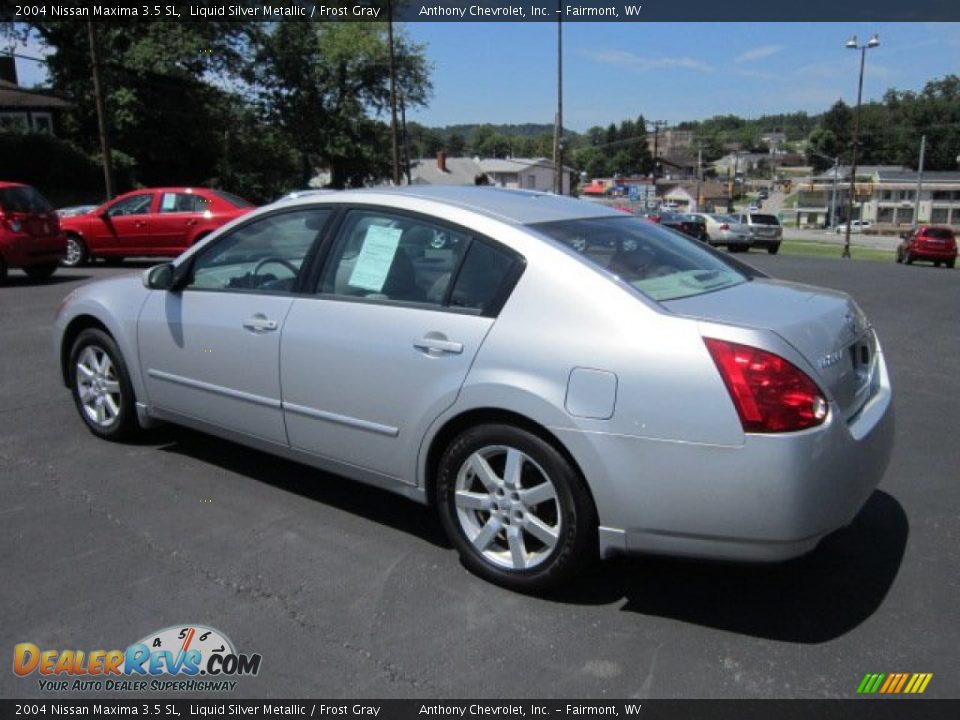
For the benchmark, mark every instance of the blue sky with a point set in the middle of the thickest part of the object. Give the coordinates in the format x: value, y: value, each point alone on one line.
x: 506, y: 72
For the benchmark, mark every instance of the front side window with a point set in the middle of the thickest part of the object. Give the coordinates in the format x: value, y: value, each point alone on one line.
x: 136, y: 205
x: 656, y: 261
x: 265, y: 255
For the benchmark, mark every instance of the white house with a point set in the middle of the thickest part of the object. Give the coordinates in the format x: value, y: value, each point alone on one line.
x: 522, y: 173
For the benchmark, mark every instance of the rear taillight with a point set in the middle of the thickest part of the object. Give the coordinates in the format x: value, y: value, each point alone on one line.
x: 724, y: 227
x: 770, y: 394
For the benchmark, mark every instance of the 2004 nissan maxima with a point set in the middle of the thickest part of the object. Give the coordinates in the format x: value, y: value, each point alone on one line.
x: 559, y: 379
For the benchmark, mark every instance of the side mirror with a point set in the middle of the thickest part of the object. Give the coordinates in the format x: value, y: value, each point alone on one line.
x: 159, y: 277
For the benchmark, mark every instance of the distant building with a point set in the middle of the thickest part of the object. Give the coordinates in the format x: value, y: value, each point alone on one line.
x: 521, y: 173
x: 670, y: 142
x: 24, y: 109
x: 886, y: 195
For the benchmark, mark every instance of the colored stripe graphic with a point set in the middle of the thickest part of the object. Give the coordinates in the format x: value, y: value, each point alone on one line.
x: 894, y: 683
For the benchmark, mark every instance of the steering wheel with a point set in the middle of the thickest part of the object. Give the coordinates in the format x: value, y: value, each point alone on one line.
x: 279, y: 261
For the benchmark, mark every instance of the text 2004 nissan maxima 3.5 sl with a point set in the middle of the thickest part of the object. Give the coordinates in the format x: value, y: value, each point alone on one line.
x: 559, y: 379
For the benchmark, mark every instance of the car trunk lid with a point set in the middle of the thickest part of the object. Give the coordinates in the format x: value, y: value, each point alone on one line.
x: 824, y: 326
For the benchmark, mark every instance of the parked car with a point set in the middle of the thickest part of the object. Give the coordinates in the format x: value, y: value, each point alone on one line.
x: 857, y: 226
x: 725, y: 230
x: 30, y: 236
x: 560, y: 380
x: 931, y: 243
x: 765, y: 229
x: 763, y: 194
x: 686, y: 224
x: 149, y: 222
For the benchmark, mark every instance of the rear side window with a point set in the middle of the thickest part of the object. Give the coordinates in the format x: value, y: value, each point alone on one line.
x: 758, y: 219
x: 174, y: 202
x: 481, y: 281
x: 23, y: 199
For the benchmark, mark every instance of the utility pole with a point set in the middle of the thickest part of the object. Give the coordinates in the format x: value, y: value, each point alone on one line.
x: 406, y: 140
x: 699, y: 175
x: 101, y: 111
x: 657, y: 124
x: 852, y: 45
x: 394, y: 147
x: 916, y: 201
x: 558, y: 125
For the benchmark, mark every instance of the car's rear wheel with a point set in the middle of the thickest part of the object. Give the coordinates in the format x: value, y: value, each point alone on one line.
x: 77, y: 253
x: 516, y: 509
x: 3, y: 270
x: 951, y: 262
x: 101, y: 386
x: 908, y: 258
x: 899, y: 255
x: 40, y: 272
x: 774, y: 249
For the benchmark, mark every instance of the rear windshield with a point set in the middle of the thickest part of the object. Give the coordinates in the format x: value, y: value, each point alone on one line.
x: 661, y: 263
x: 233, y: 199
x: 763, y: 219
x: 23, y: 199
x: 941, y: 233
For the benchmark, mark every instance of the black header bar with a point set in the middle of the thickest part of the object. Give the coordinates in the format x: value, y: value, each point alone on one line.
x: 490, y: 11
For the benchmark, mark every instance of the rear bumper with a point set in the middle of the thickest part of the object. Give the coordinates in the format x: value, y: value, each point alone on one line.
x: 931, y: 254
x: 22, y: 250
x: 772, y: 498
x: 766, y: 241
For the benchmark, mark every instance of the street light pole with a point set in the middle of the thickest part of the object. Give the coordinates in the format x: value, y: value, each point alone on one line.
x: 853, y: 45
x: 916, y: 200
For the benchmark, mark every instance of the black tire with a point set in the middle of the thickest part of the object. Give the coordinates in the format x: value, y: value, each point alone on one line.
x: 951, y: 263
x: 568, y: 514
x: 908, y: 259
x: 122, y: 423
x: 899, y: 255
x: 774, y: 249
x: 3, y: 271
x: 77, y: 253
x: 40, y: 272
x: 936, y: 263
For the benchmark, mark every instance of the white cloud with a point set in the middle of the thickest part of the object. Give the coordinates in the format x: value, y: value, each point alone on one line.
x: 759, y: 53
x: 643, y: 64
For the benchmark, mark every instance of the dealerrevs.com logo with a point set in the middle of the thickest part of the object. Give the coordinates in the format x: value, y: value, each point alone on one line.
x: 186, y: 658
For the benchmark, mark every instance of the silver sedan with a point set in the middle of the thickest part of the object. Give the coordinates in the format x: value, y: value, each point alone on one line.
x: 560, y: 380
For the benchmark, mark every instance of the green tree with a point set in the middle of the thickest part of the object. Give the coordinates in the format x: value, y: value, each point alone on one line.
x: 327, y: 84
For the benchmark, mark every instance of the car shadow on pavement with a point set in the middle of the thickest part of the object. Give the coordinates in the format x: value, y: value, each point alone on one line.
x: 13, y: 280
x: 371, y: 503
x: 812, y: 599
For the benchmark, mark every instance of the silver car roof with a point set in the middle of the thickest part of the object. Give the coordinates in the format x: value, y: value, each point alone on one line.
x: 522, y: 207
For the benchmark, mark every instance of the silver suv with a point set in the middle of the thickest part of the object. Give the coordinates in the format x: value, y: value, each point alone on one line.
x: 765, y: 228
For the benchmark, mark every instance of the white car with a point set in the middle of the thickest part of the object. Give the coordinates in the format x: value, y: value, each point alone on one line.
x: 857, y: 226
x: 726, y: 230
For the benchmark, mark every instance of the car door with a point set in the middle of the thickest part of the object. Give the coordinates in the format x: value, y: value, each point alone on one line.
x: 209, y: 351
x: 383, y: 347
x: 178, y: 213
x: 124, y: 225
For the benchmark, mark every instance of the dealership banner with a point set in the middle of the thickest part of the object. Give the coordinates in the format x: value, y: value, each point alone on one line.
x: 489, y: 11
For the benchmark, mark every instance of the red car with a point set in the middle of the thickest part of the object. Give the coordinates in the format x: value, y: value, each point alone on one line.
x: 152, y: 221
x: 30, y: 236
x: 929, y: 242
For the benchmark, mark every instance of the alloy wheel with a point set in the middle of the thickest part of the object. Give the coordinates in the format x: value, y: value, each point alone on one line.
x: 98, y: 386
x: 507, y: 507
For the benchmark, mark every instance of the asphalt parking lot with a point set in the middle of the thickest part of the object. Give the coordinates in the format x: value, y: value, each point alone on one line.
x: 348, y: 591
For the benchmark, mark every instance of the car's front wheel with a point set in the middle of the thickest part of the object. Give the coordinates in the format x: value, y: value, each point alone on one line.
x: 774, y: 249
x: 516, y: 509
x: 101, y: 385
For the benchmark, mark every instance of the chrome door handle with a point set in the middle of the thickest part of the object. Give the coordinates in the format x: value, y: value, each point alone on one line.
x: 436, y: 345
x: 260, y: 323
